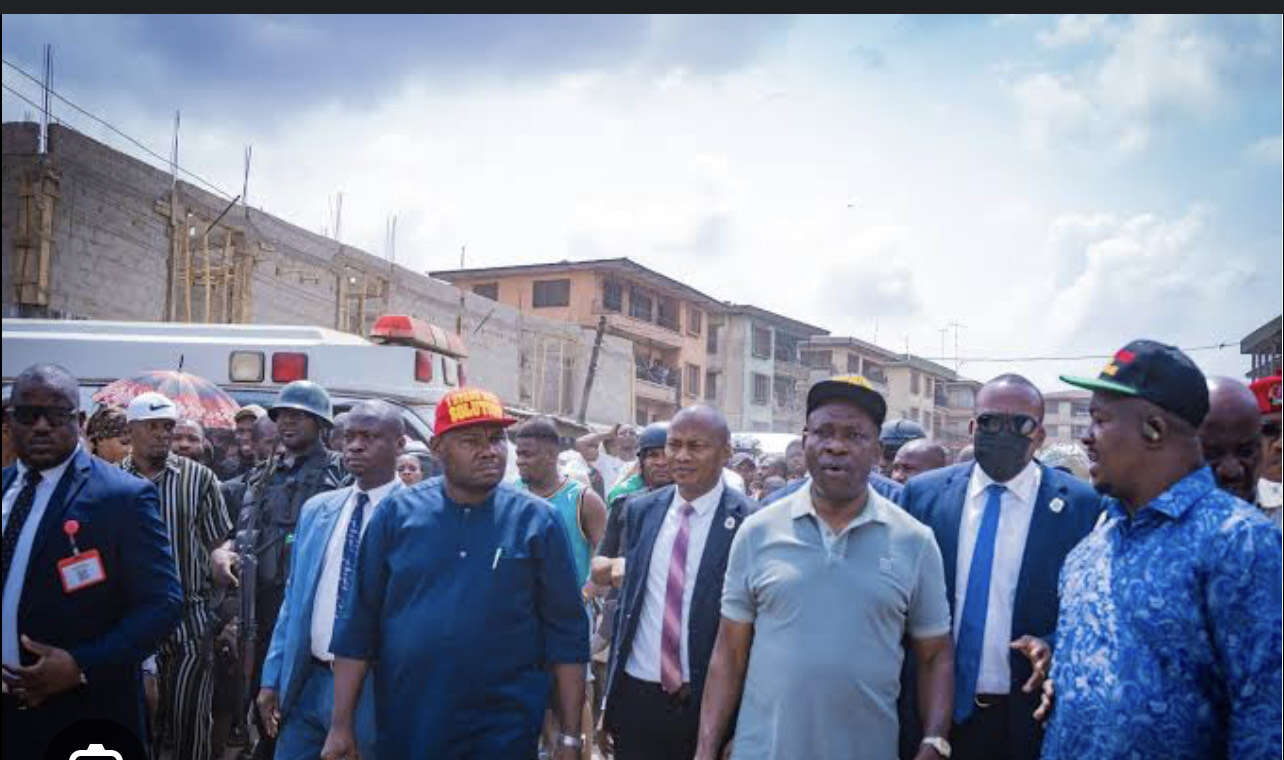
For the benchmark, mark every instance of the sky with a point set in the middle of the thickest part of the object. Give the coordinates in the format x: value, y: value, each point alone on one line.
x: 1055, y: 185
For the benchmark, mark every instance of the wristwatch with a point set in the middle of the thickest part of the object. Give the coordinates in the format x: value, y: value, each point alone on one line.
x: 573, y: 742
x: 939, y: 744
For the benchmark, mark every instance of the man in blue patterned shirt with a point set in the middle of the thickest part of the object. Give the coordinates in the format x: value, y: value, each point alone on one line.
x: 1168, y: 642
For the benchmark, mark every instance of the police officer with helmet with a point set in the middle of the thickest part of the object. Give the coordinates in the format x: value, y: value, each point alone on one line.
x: 273, y: 497
x: 895, y: 434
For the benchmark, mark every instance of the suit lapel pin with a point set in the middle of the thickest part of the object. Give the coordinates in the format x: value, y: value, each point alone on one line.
x: 1057, y: 504
x: 730, y: 523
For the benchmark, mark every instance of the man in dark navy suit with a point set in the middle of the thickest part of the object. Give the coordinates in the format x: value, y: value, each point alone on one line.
x: 90, y: 587
x: 1004, y: 524
x: 670, y: 602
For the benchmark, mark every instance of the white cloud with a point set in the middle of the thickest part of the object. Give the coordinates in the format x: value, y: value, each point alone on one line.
x: 1073, y: 29
x: 1268, y: 150
x: 1153, y: 67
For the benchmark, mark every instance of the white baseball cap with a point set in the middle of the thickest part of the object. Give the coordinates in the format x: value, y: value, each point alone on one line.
x: 151, y: 406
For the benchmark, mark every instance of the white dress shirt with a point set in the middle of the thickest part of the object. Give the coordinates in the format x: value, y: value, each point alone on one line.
x: 609, y: 467
x: 644, y: 660
x: 1015, y: 510
x: 22, y: 552
x: 327, y: 593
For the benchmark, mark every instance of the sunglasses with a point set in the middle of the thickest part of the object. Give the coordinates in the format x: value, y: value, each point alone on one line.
x: 27, y: 414
x: 1271, y: 429
x: 993, y: 422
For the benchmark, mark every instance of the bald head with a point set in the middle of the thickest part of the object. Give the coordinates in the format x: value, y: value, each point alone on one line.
x: 919, y: 455
x: 1011, y: 393
x: 705, y: 417
x: 1230, y: 436
x: 385, y: 415
x: 49, y: 377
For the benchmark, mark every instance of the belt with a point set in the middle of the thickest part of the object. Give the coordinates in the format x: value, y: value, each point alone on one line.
x: 677, y: 698
x: 320, y: 663
x: 990, y: 700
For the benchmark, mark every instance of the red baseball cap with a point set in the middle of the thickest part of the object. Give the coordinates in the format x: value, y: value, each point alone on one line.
x: 469, y: 406
x: 1267, y: 390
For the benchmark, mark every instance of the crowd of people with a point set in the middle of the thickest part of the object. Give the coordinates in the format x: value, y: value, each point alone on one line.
x: 651, y: 593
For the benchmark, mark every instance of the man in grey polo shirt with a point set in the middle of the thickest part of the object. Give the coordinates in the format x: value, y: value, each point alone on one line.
x: 821, y: 589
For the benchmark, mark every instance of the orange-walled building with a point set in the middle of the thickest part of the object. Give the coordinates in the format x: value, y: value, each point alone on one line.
x: 669, y: 323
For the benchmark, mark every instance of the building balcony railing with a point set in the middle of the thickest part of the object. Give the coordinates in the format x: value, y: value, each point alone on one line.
x: 638, y: 329
x: 653, y: 391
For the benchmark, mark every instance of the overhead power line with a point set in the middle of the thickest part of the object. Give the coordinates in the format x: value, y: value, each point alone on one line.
x: 1209, y: 347
x: 108, y: 125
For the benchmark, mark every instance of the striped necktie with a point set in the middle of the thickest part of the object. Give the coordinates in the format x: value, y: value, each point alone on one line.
x: 671, y: 634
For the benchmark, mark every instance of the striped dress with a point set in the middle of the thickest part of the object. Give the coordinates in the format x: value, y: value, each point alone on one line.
x: 193, y: 510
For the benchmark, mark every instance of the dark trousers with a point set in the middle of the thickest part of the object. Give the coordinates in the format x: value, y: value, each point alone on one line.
x: 985, y: 734
x: 651, y: 725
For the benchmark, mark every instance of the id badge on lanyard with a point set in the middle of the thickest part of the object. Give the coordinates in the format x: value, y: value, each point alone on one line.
x: 82, y: 569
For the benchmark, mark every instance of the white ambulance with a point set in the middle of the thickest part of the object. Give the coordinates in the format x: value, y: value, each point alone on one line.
x: 406, y: 361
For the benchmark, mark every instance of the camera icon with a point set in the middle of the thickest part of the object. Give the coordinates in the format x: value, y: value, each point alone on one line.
x: 95, y: 750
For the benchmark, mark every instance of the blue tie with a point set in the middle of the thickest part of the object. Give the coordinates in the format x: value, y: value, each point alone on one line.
x: 967, y: 649
x: 351, y: 542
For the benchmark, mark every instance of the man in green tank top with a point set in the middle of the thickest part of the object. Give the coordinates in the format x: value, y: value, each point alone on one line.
x: 581, y: 510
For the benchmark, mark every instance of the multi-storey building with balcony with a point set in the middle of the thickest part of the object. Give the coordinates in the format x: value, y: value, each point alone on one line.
x: 830, y: 355
x: 1263, y: 346
x: 1065, y: 415
x: 957, y: 412
x: 667, y: 322
x: 916, y: 390
x: 758, y: 377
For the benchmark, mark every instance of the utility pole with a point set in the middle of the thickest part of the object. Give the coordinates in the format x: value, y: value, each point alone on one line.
x: 592, y: 369
x: 44, y: 113
x: 955, y: 324
x: 459, y: 319
x: 942, y: 331
x: 245, y: 184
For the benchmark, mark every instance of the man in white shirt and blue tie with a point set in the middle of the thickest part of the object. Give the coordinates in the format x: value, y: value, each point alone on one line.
x: 296, y: 693
x: 1004, y: 523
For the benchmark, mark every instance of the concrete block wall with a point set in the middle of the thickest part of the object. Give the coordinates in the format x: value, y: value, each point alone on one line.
x: 111, y: 257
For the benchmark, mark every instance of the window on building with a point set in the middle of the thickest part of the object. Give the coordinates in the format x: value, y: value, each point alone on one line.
x: 818, y: 359
x: 761, y: 389
x: 874, y: 372
x: 667, y: 314
x: 639, y: 304
x: 693, y: 381
x: 915, y: 382
x: 695, y: 320
x: 761, y: 342
x: 913, y: 413
x: 786, y: 348
x: 1079, y: 431
x: 711, y: 386
x: 711, y: 343
x: 936, y: 425
x: 551, y: 293
x: 853, y: 364
x: 612, y: 295
x: 1079, y: 409
x: 784, y: 390
x: 487, y: 290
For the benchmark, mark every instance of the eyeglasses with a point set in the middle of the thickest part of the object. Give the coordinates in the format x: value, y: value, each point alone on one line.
x: 994, y: 422
x: 1271, y: 429
x: 27, y: 414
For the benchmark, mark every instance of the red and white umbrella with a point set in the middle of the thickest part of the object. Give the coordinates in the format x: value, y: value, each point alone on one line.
x: 197, y: 398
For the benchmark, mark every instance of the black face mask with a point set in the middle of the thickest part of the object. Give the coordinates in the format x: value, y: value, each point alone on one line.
x: 1000, y: 455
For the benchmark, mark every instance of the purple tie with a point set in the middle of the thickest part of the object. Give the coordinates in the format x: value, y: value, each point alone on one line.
x: 671, y: 634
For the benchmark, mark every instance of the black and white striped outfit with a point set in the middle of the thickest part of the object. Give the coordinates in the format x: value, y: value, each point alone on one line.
x: 193, y: 510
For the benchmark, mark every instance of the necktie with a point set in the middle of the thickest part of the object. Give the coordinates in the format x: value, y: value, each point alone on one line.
x: 967, y: 650
x: 18, y: 517
x: 351, y: 543
x: 671, y: 634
